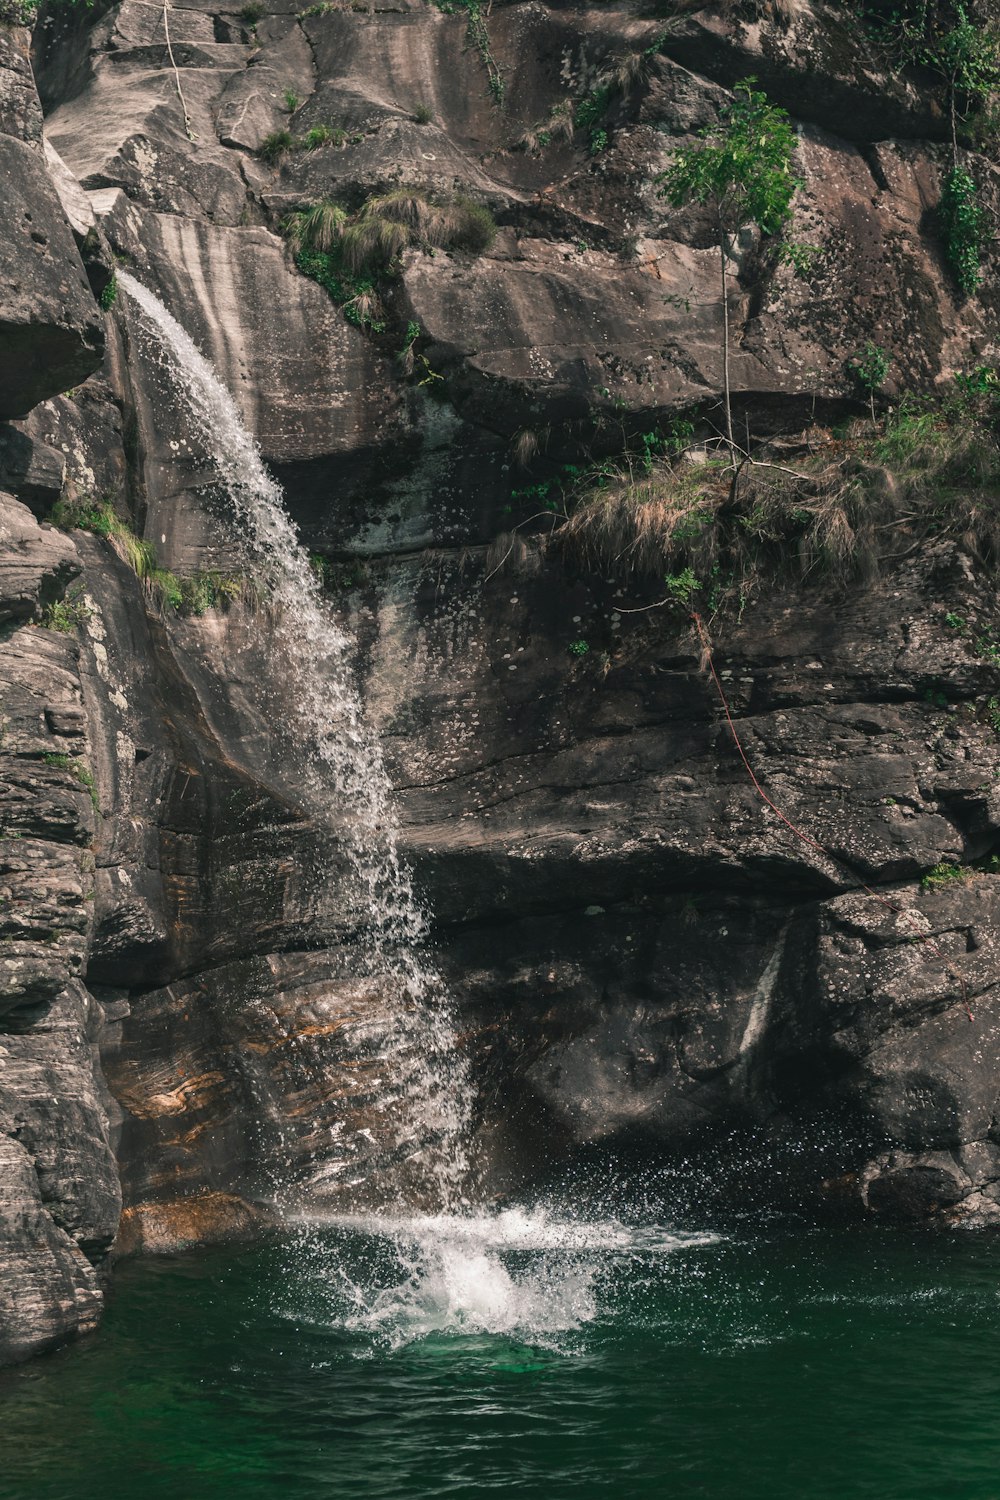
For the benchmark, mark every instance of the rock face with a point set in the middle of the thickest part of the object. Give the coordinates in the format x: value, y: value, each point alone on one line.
x: 60, y: 1197
x: 51, y: 332
x: 638, y: 948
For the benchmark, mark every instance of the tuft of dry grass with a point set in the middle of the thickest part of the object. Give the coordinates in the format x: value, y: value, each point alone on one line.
x: 648, y: 526
x: 843, y: 513
x: 626, y: 71
x: 373, y: 239
x: 524, y: 447
x: 510, y: 552
x: 317, y: 227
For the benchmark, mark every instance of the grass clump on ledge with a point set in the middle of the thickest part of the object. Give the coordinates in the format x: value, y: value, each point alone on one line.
x: 67, y: 614
x: 349, y: 254
x: 857, y: 502
x: 191, y: 595
x: 276, y: 146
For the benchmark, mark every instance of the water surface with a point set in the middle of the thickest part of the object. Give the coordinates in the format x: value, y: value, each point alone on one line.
x: 534, y: 1353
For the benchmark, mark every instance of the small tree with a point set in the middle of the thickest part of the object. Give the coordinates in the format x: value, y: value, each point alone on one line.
x: 869, y: 368
x: 742, y: 169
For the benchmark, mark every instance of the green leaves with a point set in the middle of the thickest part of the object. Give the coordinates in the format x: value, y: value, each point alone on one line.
x: 962, y: 226
x: 742, y: 168
x: 870, y: 366
x: 967, y: 58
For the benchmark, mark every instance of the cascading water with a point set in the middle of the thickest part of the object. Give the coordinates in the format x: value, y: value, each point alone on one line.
x: 530, y: 1272
x: 323, y: 711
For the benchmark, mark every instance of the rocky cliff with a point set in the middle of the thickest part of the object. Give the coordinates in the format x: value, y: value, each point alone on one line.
x: 638, y: 947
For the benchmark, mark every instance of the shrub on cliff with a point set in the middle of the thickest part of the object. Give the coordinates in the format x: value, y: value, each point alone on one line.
x: 841, y: 512
x: 349, y: 253
x: 742, y: 171
x: 963, y: 223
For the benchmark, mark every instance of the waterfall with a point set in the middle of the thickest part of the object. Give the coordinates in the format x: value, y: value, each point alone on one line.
x: 322, y: 708
x: 388, y: 1277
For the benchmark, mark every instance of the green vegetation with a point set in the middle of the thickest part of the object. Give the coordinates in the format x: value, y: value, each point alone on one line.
x: 578, y: 648
x: 18, y: 12
x: 339, y: 577
x: 965, y: 55
x: 590, y: 111
x: 80, y: 770
x: 323, y: 135
x: 682, y: 586
x: 192, y: 595
x: 66, y: 614
x: 423, y: 114
x: 110, y: 295
x: 253, y: 12
x: 25, y: 12
x: 869, y: 368
x: 477, y: 35
x: 407, y: 355
x: 983, y: 643
x: 291, y: 101
x: 742, y: 171
x: 591, y: 114
x: 85, y: 777
x: 350, y: 254
x: 855, y: 502
x: 276, y: 146
x: 943, y: 874
x: 963, y: 228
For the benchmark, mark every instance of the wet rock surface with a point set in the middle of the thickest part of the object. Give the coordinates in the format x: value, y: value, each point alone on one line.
x: 637, y: 947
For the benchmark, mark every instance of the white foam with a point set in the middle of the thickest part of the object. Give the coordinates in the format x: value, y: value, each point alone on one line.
x: 526, y: 1272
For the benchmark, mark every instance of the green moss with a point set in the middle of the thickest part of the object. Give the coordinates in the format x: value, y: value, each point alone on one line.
x: 192, y: 595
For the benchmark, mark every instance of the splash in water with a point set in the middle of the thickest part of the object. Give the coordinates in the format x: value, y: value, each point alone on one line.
x: 535, y: 1274
x: 344, y: 763
x: 386, y: 1279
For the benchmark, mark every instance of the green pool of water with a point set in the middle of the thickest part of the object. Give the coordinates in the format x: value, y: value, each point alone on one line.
x: 526, y: 1359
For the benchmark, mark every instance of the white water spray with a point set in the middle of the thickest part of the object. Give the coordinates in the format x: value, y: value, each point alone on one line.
x: 343, y: 758
x: 531, y: 1274
x: 536, y: 1274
